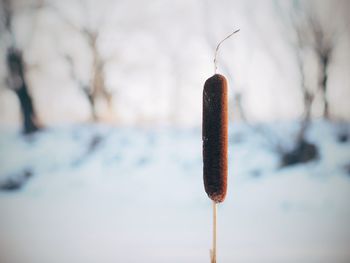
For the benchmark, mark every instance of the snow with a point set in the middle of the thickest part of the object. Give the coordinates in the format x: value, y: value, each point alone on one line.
x: 136, y: 195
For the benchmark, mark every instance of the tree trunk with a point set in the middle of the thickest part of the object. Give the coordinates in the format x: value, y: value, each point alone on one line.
x: 323, y: 83
x: 98, y: 82
x: 18, y: 84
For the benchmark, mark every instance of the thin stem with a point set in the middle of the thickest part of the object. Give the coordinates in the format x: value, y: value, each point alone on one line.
x: 218, y: 46
x: 213, y: 251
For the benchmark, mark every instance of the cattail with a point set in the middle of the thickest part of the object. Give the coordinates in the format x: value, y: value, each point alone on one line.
x: 215, y: 137
x: 215, y: 140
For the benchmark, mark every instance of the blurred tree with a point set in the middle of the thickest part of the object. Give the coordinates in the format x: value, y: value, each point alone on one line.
x: 299, y: 45
x: 16, y: 76
x: 297, y: 21
x: 96, y: 89
x: 323, y: 44
x: 311, y: 30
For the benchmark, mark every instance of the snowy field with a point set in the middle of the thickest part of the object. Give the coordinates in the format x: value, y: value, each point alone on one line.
x: 100, y: 194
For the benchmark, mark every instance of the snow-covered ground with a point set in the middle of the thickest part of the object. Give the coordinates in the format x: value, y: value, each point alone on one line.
x: 116, y: 194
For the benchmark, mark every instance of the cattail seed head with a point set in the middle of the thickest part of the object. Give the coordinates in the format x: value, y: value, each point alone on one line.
x: 215, y: 137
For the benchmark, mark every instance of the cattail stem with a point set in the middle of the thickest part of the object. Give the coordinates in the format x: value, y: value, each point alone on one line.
x: 213, y: 251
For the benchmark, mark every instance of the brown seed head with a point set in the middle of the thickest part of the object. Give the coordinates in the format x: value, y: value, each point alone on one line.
x: 215, y: 137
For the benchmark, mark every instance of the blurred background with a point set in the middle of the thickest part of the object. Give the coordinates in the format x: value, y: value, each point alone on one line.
x: 100, y: 130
